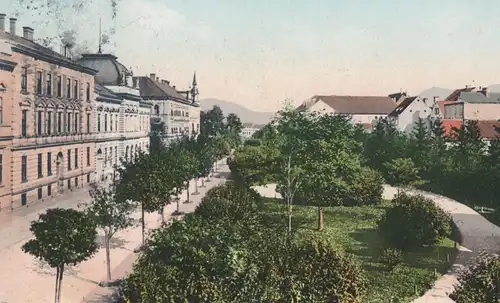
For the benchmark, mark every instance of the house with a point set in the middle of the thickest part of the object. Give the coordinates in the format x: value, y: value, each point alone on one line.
x: 122, y: 118
x: 178, y: 111
x: 408, y: 111
x: 46, y: 120
x: 363, y: 110
x: 249, y: 129
x: 473, y: 105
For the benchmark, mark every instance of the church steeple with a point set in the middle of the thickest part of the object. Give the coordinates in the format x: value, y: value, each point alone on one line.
x: 194, y: 89
x: 194, y: 80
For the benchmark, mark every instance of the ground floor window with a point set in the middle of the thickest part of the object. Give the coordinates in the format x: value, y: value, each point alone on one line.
x: 88, y: 178
x: 76, y: 182
x: 23, y: 199
x: 40, y: 193
x: 69, y: 183
x: 49, y: 190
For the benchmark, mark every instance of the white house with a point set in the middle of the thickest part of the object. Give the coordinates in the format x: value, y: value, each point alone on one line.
x: 249, y: 129
x: 363, y: 110
x: 409, y: 110
x: 178, y: 110
x: 121, y: 116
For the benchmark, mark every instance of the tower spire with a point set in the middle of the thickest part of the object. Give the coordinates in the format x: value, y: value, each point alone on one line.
x: 100, y: 37
x: 194, y: 79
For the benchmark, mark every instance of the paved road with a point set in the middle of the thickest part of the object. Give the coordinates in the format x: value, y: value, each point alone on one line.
x: 24, y: 279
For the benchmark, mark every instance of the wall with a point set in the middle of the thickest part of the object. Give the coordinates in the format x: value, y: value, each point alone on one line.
x: 407, y: 119
x: 485, y: 111
x: 454, y: 110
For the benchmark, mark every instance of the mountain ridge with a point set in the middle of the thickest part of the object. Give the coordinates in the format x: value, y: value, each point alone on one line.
x: 246, y: 115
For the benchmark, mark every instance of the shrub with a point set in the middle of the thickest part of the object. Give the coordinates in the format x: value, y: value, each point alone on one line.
x: 252, y: 142
x: 367, y: 188
x: 391, y: 257
x: 323, y: 275
x: 231, y: 201
x: 480, y: 281
x: 414, y: 221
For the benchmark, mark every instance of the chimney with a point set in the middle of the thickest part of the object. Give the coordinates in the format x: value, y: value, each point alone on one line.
x: 173, y: 86
x: 13, y: 26
x: 28, y: 33
x: 134, y: 82
x: 168, y: 82
x: 152, y: 76
x: 2, y: 22
x: 157, y: 79
x: 484, y: 90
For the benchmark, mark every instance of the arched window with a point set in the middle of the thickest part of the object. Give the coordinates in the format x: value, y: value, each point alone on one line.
x: 157, y: 109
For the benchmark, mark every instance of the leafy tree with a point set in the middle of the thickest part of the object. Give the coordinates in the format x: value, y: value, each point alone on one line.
x: 479, y: 281
x: 414, y: 221
x: 420, y: 142
x: 233, y: 129
x: 156, y: 136
x: 254, y: 165
x: 110, y: 215
x: 212, y: 122
x: 206, y: 159
x: 366, y: 188
x: 143, y: 180
x: 402, y: 172
x: 62, y: 237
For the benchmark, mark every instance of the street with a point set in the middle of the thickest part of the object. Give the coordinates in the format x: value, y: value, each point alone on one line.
x: 24, y: 279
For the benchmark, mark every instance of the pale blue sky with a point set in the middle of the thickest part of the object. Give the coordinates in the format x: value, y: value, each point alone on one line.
x: 257, y: 53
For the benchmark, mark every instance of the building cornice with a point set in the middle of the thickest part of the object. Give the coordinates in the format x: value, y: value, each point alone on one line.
x: 7, y: 65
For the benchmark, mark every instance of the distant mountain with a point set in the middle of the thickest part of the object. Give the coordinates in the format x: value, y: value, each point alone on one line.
x: 442, y: 93
x: 246, y: 115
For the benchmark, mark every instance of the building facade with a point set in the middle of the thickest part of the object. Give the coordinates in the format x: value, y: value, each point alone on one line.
x: 409, y: 110
x: 122, y: 118
x: 249, y: 129
x: 177, y: 111
x: 46, y: 132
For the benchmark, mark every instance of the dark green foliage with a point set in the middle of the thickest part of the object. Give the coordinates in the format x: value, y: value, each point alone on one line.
x: 230, y: 201
x: 252, y: 142
x: 479, y: 282
x: 391, y: 257
x: 402, y: 172
x: 414, y: 221
x: 253, y: 164
x: 367, y: 188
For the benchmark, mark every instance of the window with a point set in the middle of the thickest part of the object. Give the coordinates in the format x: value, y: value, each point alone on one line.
x: 88, y: 156
x: 76, y: 182
x: 88, y: 91
x: 76, y: 157
x: 77, y: 124
x: 88, y: 178
x: 49, y: 123
x: 49, y: 164
x: 111, y: 122
x: 98, y: 122
x: 49, y: 84
x: 24, y: 169
x: 68, y: 88
x: 23, y: 199
x: 40, y: 193
x: 68, y: 121
x: 116, y: 122
x: 1, y: 110
x: 69, y: 159
x: 105, y: 156
x: 157, y: 109
x: 24, y: 79
x: 38, y: 82
x: 24, y: 117
x: 59, y: 86
x: 116, y: 155
x: 1, y: 169
x: 75, y: 90
x: 49, y: 190
x: 69, y: 183
x: 59, y: 122
x: 39, y: 123
x: 40, y: 172
x: 88, y: 123
x: 171, y: 112
x: 105, y: 122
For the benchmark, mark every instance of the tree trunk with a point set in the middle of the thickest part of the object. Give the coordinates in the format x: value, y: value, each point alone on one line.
x: 107, y: 239
x: 321, y: 222
x: 59, y: 277
x: 162, y: 214
x: 178, y: 206
x: 196, y: 186
x: 187, y: 191
x: 202, y: 182
x: 289, y: 216
x: 56, y: 293
x: 143, y: 224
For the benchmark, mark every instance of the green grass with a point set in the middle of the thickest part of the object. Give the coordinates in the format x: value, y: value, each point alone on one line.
x: 353, y: 230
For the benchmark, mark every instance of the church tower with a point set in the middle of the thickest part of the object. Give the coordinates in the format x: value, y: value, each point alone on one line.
x: 194, y: 89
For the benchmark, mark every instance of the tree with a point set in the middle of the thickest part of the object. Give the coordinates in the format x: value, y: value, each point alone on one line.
x: 420, y: 140
x: 62, y: 237
x: 110, y: 215
x: 212, y: 122
x: 402, y: 172
x: 156, y: 136
x: 233, y: 129
x: 205, y: 159
x: 143, y: 180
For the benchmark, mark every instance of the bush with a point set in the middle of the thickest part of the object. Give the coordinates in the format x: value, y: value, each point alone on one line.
x: 367, y: 188
x: 323, y: 275
x: 414, y: 221
x: 391, y: 257
x: 252, y: 142
x: 230, y: 201
x: 479, y: 282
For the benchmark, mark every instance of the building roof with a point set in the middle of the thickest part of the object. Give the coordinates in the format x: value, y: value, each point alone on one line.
x: 488, y: 129
x: 103, y: 92
x: 152, y: 89
x: 109, y: 70
x: 479, y: 97
x: 402, y: 106
x: 30, y: 48
x: 356, y: 104
x: 253, y: 125
x: 456, y: 93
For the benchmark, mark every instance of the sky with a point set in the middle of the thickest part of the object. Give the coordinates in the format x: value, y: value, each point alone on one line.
x: 259, y: 53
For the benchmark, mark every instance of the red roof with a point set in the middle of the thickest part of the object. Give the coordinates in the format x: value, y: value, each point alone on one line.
x: 455, y: 94
x: 488, y: 129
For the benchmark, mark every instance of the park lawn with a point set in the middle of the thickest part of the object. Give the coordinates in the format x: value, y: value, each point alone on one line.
x: 353, y: 230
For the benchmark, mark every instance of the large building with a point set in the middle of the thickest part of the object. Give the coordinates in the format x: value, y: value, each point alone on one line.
x: 46, y: 120
x: 177, y: 111
x: 122, y: 118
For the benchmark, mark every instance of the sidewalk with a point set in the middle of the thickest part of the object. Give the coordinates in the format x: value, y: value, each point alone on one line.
x: 24, y: 279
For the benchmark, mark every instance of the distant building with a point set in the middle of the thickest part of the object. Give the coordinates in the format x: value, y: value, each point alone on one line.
x: 409, y: 110
x: 363, y: 110
x: 46, y: 120
x: 179, y: 111
x: 122, y: 118
x: 249, y: 129
x: 473, y: 105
